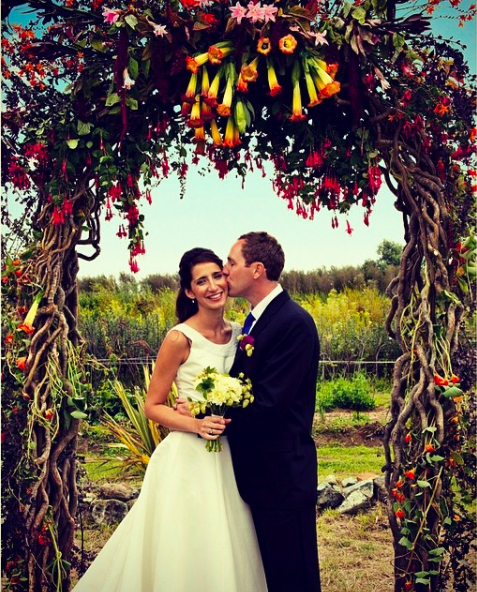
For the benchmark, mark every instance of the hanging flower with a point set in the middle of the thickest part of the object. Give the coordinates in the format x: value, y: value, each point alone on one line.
x: 264, y: 46
x: 195, y: 117
x: 189, y: 96
x: 21, y: 363
x: 229, y: 139
x: 311, y: 88
x: 219, y: 51
x: 205, y: 83
x: 324, y: 82
x: 215, y: 133
x: 399, y: 513
x: 224, y: 108
x: 214, y: 89
x: 287, y: 44
x: 194, y: 63
x: 297, y: 111
x: 249, y: 73
x: 411, y: 474
x: 275, y: 88
x: 27, y: 325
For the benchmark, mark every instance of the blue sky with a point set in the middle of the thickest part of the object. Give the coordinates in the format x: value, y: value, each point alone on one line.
x: 214, y: 212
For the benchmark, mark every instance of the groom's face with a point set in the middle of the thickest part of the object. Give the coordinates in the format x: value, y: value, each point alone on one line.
x: 239, y: 275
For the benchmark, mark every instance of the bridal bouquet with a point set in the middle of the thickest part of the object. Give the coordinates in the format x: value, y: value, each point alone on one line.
x: 220, y: 391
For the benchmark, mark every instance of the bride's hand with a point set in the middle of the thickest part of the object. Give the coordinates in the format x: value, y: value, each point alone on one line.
x: 212, y: 426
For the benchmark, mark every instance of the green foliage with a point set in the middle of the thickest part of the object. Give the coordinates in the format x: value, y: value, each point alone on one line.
x: 353, y: 393
x: 139, y: 436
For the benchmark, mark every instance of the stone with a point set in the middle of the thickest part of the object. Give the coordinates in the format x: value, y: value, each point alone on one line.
x: 365, y: 487
x: 328, y: 496
x: 380, y: 491
x: 118, y: 491
x: 348, y: 481
x: 354, y: 502
x: 109, y: 511
x: 331, y: 479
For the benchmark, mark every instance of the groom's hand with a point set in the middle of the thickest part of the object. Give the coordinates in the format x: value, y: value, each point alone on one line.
x: 182, y: 407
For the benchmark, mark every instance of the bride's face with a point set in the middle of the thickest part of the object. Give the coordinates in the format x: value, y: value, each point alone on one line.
x: 208, y: 286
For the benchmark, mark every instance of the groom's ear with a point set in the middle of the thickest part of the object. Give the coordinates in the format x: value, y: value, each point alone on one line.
x: 258, y: 270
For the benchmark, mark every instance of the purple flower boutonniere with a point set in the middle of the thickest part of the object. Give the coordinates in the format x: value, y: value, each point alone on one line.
x: 246, y: 344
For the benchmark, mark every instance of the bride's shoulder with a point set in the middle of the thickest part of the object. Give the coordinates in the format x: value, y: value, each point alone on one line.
x: 236, y: 327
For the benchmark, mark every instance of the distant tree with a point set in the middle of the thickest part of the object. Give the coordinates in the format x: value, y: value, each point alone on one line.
x: 389, y: 253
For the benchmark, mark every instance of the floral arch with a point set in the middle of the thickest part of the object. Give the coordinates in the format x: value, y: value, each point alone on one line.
x: 103, y: 100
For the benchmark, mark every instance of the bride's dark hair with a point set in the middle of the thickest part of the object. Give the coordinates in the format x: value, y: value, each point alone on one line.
x: 185, y: 307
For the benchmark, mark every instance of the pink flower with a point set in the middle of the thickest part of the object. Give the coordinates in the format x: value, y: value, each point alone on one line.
x: 255, y: 12
x: 110, y: 15
x: 238, y: 12
x: 159, y: 30
x: 320, y: 38
x: 349, y: 230
x: 268, y: 13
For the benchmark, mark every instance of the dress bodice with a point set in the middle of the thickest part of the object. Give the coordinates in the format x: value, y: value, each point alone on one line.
x: 203, y: 353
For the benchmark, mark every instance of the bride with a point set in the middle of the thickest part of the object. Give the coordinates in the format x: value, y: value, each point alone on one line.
x: 189, y: 530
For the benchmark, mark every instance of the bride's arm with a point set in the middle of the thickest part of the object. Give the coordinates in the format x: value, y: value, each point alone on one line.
x: 174, y: 352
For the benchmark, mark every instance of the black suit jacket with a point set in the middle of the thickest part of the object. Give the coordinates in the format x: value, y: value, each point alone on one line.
x: 273, y: 452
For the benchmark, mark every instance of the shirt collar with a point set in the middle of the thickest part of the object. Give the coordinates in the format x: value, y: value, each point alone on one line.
x: 259, y: 309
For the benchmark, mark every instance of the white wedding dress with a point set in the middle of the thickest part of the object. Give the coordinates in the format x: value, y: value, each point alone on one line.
x: 189, y: 530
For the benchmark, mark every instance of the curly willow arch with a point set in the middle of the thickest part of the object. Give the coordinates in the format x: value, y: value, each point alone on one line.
x: 103, y: 100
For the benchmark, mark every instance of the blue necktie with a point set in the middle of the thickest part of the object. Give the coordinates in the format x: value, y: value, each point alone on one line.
x: 248, y: 324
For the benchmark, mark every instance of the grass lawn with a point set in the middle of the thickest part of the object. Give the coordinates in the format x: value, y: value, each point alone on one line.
x: 349, y: 461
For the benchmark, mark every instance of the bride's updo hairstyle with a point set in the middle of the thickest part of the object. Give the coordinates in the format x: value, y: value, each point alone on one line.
x: 185, y: 306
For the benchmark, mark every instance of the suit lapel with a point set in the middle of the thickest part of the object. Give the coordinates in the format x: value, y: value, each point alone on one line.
x: 268, y: 314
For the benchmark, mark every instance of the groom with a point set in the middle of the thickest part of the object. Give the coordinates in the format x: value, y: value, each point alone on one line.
x: 273, y: 452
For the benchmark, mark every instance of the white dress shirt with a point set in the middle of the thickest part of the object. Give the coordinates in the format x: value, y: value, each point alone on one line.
x: 259, y: 309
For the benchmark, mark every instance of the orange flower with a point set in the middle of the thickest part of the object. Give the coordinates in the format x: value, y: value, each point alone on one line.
x: 21, y: 363
x: 455, y: 379
x: 27, y: 325
x: 441, y: 109
x: 214, y: 89
x: 242, y: 86
x: 230, y: 136
x: 193, y: 64
x: 249, y: 73
x: 264, y: 46
x: 473, y: 134
x: 429, y: 448
x: 206, y: 113
x: 411, y: 474
x: 218, y: 52
x: 189, y: 96
x: 287, y: 44
x: 9, y: 338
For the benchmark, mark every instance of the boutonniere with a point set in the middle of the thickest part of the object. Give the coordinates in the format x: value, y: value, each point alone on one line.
x: 246, y: 344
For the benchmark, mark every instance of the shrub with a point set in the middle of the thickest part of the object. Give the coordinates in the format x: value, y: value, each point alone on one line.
x: 346, y: 393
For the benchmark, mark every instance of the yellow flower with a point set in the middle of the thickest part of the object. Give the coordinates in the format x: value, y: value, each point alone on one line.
x: 224, y: 108
x: 219, y: 51
x: 249, y: 73
x: 195, y: 118
x: 275, y: 88
x: 194, y: 63
x: 311, y: 88
x: 214, y: 132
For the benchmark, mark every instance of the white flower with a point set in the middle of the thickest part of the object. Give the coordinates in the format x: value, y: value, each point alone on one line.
x: 128, y: 82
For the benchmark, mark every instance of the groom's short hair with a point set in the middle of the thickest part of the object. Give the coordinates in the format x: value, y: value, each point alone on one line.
x: 260, y: 246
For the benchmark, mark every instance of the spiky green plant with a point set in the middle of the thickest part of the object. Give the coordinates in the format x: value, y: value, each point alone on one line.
x: 138, y: 437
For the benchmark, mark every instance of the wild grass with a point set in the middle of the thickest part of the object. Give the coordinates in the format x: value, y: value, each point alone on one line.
x: 349, y: 461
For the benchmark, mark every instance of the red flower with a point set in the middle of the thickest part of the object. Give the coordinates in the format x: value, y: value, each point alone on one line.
x: 455, y: 379
x: 49, y: 413
x: 440, y: 381
x: 5, y: 279
x: 429, y: 448
x: 9, y: 338
x: 399, y: 513
x: 26, y: 328
x: 408, y: 438
x: 411, y: 474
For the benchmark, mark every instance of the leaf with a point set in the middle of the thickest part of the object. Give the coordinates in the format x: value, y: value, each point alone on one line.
x: 437, y: 551
x: 131, y: 20
x: 423, y: 483
x: 436, y: 458
x: 73, y: 143
x: 405, y: 542
x: 83, y: 128
x: 112, y: 99
x: 359, y: 13
x: 133, y: 68
x: 132, y: 103
x: 453, y: 391
x: 423, y: 581
x: 78, y: 415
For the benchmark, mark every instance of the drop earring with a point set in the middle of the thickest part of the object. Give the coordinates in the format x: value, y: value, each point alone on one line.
x: 193, y: 300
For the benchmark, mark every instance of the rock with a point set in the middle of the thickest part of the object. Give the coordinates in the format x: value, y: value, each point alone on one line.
x: 349, y: 481
x: 331, y: 479
x: 118, y: 491
x: 365, y: 487
x: 328, y: 496
x: 108, y: 511
x: 380, y: 490
x: 354, y: 502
